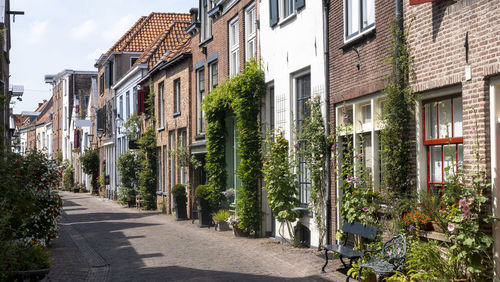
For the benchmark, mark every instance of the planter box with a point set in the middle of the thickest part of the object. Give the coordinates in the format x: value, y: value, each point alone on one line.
x: 205, y: 218
x: 180, y: 208
x: 30, y: 275
x: 222, y: 226
x: 239, y: 232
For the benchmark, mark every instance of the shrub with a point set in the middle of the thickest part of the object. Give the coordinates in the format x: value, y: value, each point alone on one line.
x: 128, y: 163
x: 18, y: 257
x: 178, y: 190
x: 147, y: 172
x: 222, y: 215
x: 90, y: 165
x: 202, y: 192
x: 68, y: 175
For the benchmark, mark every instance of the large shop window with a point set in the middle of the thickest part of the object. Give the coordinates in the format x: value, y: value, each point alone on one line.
x: 359, y: 137
x: 443, y: 140
x: 303, y: 94
x: 359, y: 17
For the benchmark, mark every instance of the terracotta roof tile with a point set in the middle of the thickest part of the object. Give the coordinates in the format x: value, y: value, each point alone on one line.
x: 146, y: 30
x: 167, y: 41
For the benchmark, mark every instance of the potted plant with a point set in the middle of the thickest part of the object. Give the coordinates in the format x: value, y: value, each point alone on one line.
x: 234, y: 221
x: 83, y: 189
x: 201, y: 193
x: 179, y: 194
x: 220, y: 217
x: 26, y: 263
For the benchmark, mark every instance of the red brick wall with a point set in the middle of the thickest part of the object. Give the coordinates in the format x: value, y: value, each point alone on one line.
x: 437, y: 38
x: 346, y: 82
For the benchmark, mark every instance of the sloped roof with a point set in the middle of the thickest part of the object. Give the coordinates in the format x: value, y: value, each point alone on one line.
x: 182, y: 48
x: 145, y: 31
x: 45, y: 112
x: 168, y: 40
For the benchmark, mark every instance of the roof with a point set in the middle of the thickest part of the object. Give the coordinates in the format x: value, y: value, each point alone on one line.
x: 145, y: 31
x: 183, y: 48
x: 167, y: 41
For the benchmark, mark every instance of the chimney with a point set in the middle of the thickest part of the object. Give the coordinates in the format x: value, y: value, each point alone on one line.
x: 194, y: 14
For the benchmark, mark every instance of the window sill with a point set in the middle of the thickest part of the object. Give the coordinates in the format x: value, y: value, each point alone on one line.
x: 159, y: 192
x: 160, y: 129
x: 176, y: 114
x: 288, y: 19
x: 204, y: 42
x: 358, y: 39
x: 199, y: 136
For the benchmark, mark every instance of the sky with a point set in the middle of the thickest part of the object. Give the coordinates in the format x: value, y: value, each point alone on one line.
x: 54, y: 35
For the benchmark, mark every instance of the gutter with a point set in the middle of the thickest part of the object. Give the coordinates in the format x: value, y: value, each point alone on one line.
x: 326, y: 54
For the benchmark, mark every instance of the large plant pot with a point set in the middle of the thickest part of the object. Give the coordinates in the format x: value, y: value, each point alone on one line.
x: 30, y: 275
x: 239, y: 232
x: 222, y: 226
x: 205, y: 218
x: 180, y: 208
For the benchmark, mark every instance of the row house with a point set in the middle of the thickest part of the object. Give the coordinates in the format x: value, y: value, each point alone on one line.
x: 43, y: 129
x: 18, y: 143
x: 224, y: 35
x: 5, y: 94
x: 118, y: 74
x: 292, y: 38
x: 456, y: 63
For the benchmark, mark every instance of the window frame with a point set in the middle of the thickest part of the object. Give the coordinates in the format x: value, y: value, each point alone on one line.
x: 206, y: 22
x: 250, y: 36
x: 305, y: 183
x: 177, y: 96
x: 234, y: 46
x: 127, y: 105
x: 211, y: 75
x: 430, y: 143
x: 200, y: 94
x: 361, y: 30
x: 161, y: 106
x: 173, y: 159
x: 285, y: 13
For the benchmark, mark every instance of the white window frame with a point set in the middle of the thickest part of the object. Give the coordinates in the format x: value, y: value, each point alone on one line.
x: 211, y: 75
x: 177, y: 95
x: 173, y: 159
x: 285, y: 13
x: 234, y: 47
x: 250, y: 35
x: 200, y: 94
x: 359, y: 16
x: 161, y: 96
x: 206, y: 29
x: 127, y: 105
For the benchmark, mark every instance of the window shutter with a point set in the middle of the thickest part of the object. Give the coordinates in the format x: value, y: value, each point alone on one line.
x: 299, y: 4
x: 415, y: 2
x: 273, y: 12
x: 75, y: 137
x: 107, y: 76
x: 140, y: 102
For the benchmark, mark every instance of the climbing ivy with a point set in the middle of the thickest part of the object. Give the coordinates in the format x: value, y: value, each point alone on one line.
x: 396, y: 116
x: 242, y: 95
x: 90, y: 165
x: 147, y: 173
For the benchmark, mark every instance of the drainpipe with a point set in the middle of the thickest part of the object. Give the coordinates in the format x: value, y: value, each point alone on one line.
x: 326, y: 55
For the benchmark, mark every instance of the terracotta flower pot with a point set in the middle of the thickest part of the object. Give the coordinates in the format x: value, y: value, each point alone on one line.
x: 239, y: 232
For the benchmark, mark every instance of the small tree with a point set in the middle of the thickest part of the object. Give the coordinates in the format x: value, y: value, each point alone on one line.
x: 127, y: 166
x: 281, y: 182
x: 68, y: 175
x: 90, y: 165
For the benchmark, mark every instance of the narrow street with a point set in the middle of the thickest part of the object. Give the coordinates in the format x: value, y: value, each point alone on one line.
x: 103, y: 241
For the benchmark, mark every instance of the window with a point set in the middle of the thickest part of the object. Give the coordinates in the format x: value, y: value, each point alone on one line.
x: 250, y: 48
x: 177, y: 96
x: 161, y: 97
x: 109, y: 74
x: 359, y: 17
x: 288, y: 7
x: 302, y: 95
x: 200, y: 121
x: 443, y: 140
x: 101, y: 84
x: 159, y: 181
x: 172, y: 158
x: 127, y: 104
x: 165, y: 171
x: 134, y: 101
x: 120, y: 104
x: 65, y: 119
x: 234, y: 47
x: 132, y: 61
x: 183, y: 168
x: 214, y: 73
x: 206, y: 21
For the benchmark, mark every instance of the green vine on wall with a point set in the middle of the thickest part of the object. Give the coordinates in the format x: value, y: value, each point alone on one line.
x: 147, y: 173
x: 241, y: 94
x: 90, y: 165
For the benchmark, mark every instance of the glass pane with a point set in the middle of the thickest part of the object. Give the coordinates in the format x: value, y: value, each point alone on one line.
x: 457, y: 117
x: 435, y: 163
x: 352, y: 16
x: 366, y: 158
x: 367, y: 113
x: 368, y: 13
x: 450, y: 160
x: 445, y: 119
x: 460, y: 156
x: 428, y: 121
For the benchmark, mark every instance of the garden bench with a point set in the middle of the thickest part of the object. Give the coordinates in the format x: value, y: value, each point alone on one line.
x: 387, y: 259
x: 346, y: 248
x: 138, y: 201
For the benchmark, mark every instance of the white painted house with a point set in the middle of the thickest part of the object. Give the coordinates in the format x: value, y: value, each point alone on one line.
x: 126, y: 105
x: 292, y: 48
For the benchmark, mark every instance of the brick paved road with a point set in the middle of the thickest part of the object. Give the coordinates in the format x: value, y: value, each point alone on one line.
x: 102, y: 241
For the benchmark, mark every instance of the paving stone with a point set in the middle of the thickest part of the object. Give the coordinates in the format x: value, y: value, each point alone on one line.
x: 103, y: 241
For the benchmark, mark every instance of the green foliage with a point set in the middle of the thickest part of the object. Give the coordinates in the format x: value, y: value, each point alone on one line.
x: 19, y: 257
x: 242, y: 94
x: 202, y: 192
x: 133, y: 127
x: 128, y: 163
x: 90, y: 165
x: 68, y: 175
x: 59, y: 158
x: 178, y: 190
x: 150, y: 102
x: 281, y: 181
x: 396, y: 116
x: 182, y: 156
x: 147, y: 172
x: 314, y: 150
x: 222, y: 215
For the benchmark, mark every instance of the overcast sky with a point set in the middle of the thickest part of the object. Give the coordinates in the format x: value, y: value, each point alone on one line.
x: 54, y: 35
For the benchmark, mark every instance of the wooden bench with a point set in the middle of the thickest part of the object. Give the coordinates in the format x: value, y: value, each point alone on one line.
x: 387, y: 259
x: 346, y: 247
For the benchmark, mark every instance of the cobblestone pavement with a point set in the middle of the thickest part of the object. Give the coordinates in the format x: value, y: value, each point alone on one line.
x: 103, y: 241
